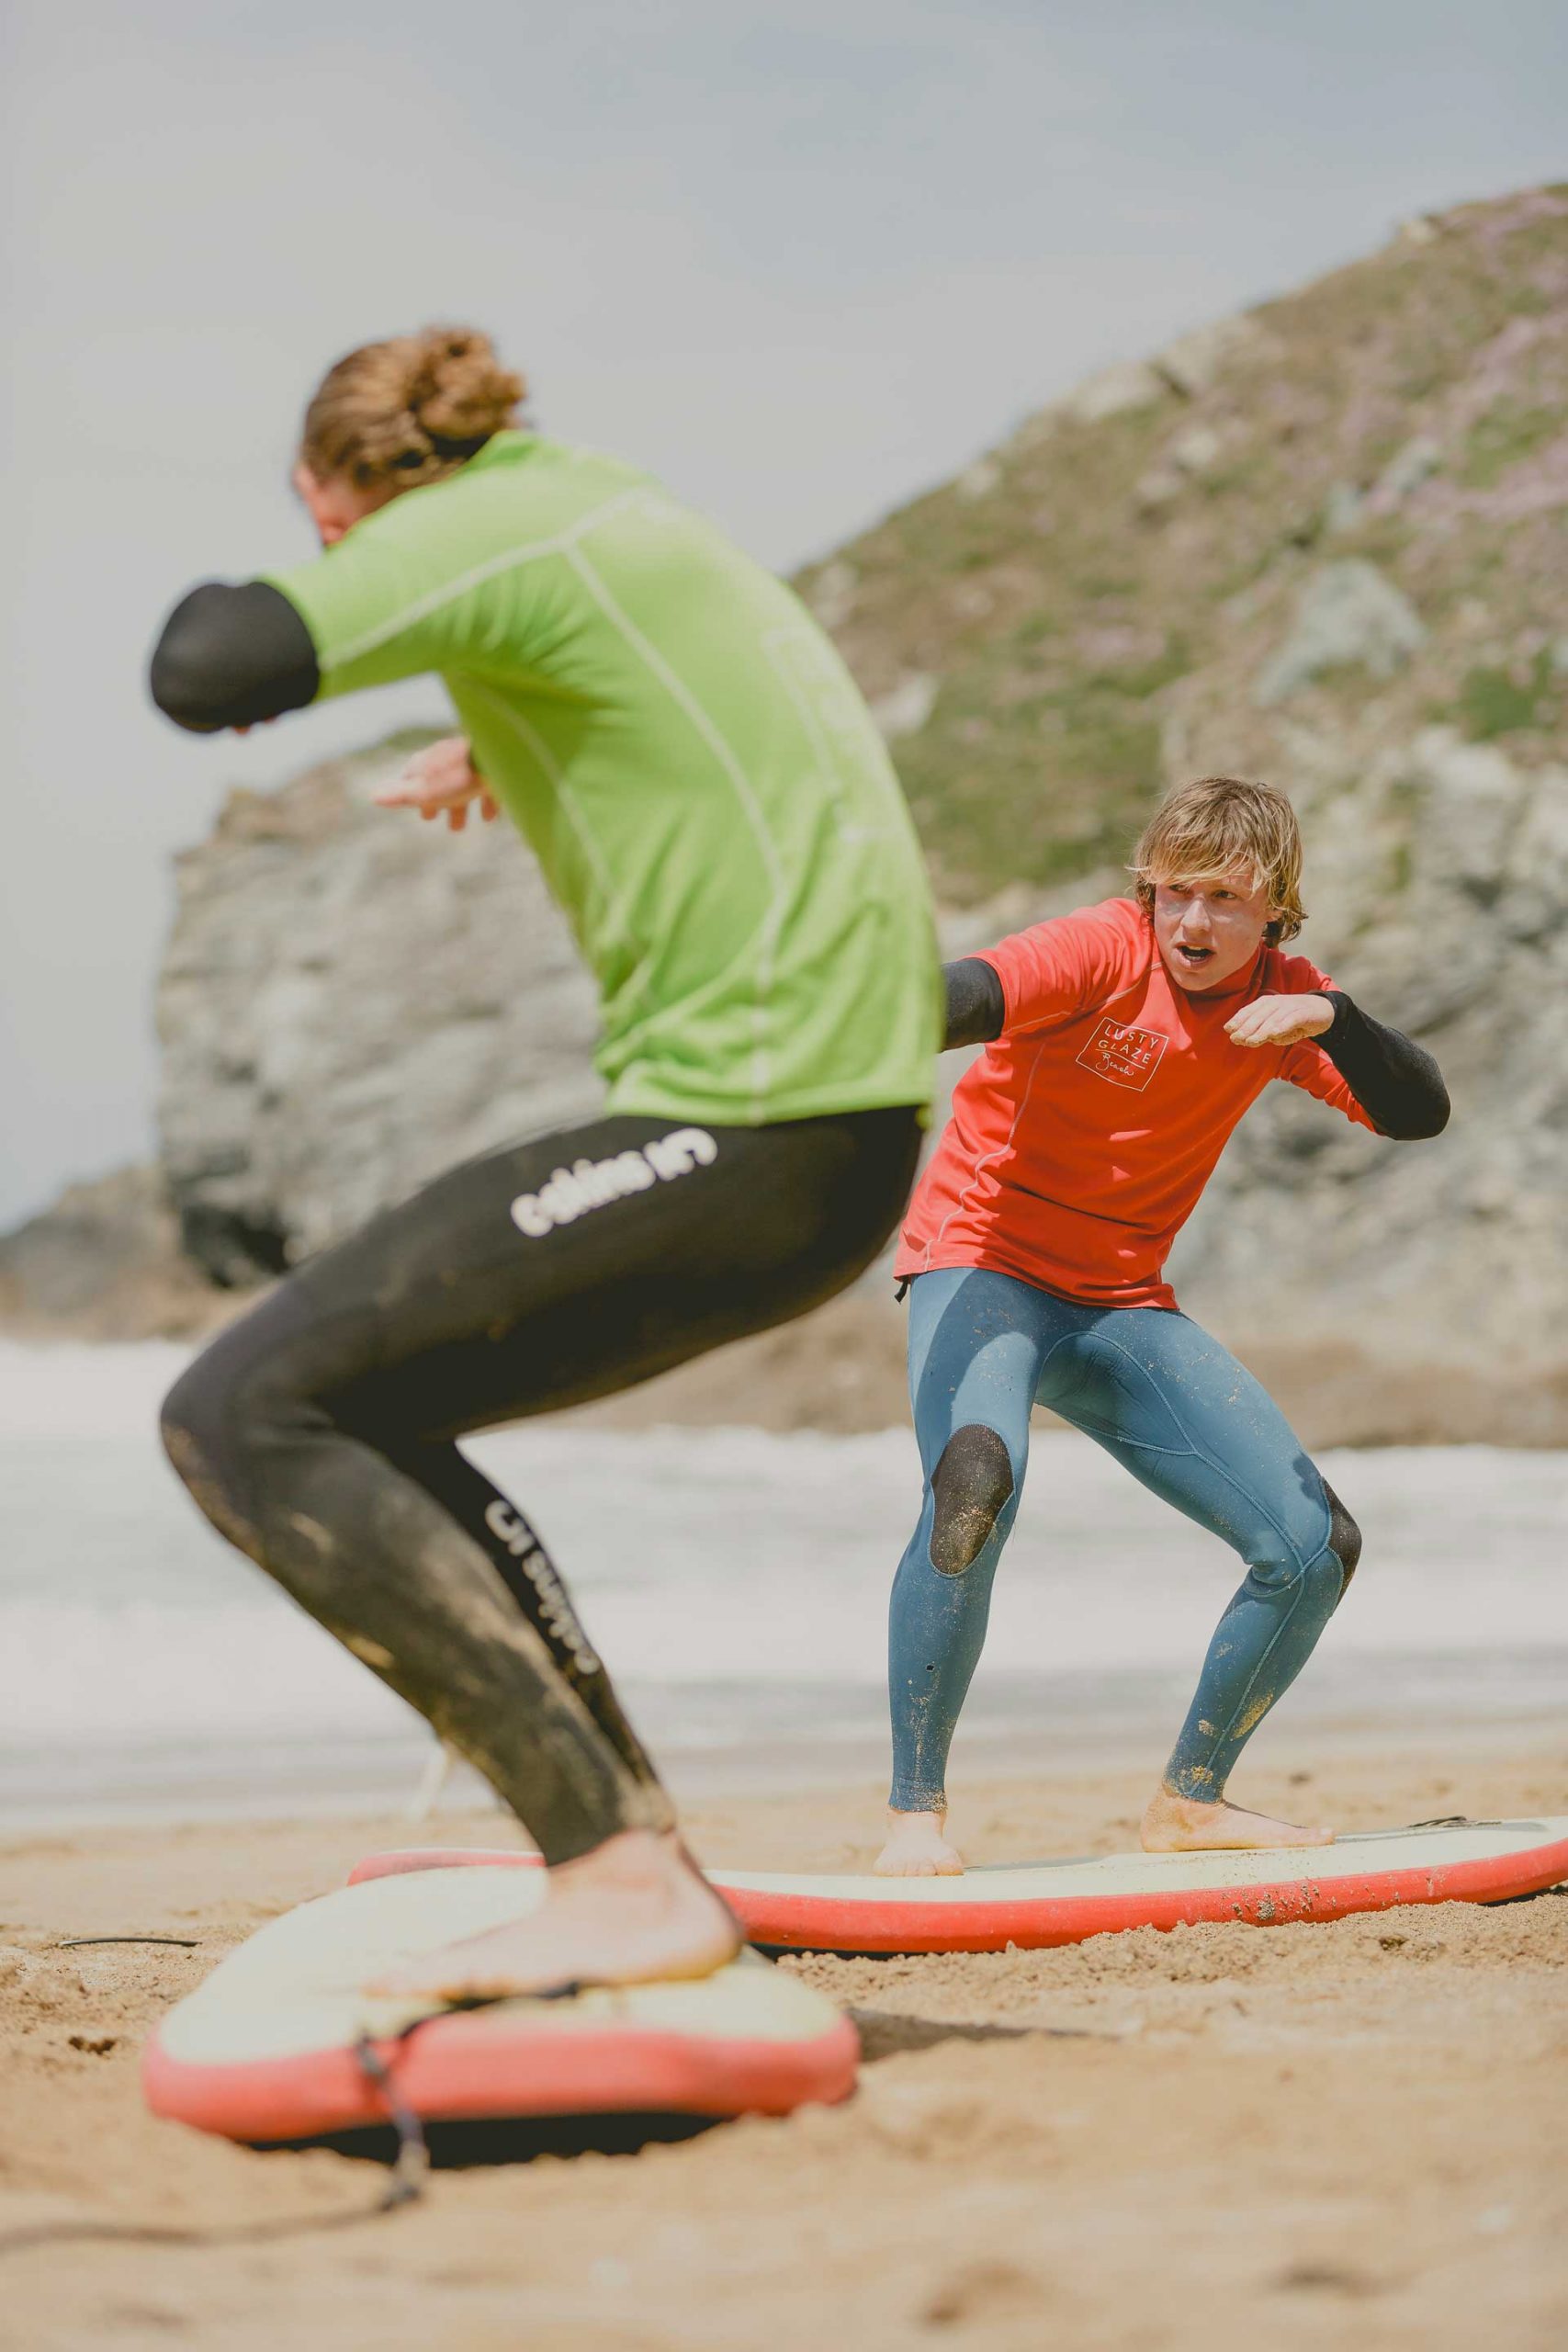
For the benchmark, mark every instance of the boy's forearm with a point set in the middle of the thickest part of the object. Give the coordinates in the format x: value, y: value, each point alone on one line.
x: 1396, y: 1082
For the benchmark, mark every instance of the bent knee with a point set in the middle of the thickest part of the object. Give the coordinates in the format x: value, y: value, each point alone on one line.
x: 248, y: 1383
x: 193, y: 1422
x: 971, y: 1486
x: 183, y: 1417
x: 1343, y: 1536
x: 1280, y: 1559
x: 208, y: 1420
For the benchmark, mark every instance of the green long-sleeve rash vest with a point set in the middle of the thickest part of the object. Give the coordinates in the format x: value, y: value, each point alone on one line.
x: 683, y: 747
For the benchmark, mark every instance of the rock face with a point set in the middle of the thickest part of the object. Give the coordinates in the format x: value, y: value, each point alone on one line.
x: 350, y: 1002
x: 104, y: 1262
x: 1349, y: 615
x: 1323, y: 544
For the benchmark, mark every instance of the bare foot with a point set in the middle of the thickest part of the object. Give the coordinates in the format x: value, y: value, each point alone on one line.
x: 1176, y: 1824
x: 634, y: 1911
x: 916, y: 1848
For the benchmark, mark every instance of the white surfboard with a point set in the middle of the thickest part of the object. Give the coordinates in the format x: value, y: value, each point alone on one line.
x: 1035, y: 1904
x: 269, y: 2047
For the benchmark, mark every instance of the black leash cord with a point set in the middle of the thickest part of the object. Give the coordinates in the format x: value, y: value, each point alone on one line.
x: 412, y: 2168
x: 76, y: 1943
x: 153, y: 2233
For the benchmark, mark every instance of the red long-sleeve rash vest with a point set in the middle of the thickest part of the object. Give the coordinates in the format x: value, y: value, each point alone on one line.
x: 1082, y: 1138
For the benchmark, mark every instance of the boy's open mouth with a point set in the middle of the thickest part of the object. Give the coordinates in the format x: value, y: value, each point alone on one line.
x: 1194, y: 957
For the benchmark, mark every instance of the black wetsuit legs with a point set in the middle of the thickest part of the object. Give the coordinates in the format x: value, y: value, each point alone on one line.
x: 318, y: 1432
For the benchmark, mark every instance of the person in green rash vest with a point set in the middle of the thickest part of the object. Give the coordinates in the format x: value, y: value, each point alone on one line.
x: 711, y: 804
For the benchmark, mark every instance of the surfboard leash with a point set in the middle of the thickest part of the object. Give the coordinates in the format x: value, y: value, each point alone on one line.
x: 411, y: 2166
x: 79, y: 1943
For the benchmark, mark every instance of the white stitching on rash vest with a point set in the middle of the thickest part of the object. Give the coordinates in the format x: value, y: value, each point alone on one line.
x: 508, y: 559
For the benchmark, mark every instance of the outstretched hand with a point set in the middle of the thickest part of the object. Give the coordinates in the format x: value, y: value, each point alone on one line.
x: 1280, y: 1020
x: 441, y: 781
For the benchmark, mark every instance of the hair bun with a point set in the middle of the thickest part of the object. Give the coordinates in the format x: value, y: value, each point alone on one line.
x: 408, y: 410
x: 460, y: 390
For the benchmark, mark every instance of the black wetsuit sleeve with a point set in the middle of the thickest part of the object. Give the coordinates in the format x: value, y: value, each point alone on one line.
x: 231, y: 657
x: 975, y: 1005
x: 1396, y: 1082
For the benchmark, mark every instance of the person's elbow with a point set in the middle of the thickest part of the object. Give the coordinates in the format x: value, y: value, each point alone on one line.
x: 232, y: 657
x: 976, y: 1008
x: 183, y: 677
x: 1422, y: 1121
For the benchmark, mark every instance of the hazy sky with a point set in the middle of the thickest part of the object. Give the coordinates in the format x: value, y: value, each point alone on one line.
x: 801, y: 261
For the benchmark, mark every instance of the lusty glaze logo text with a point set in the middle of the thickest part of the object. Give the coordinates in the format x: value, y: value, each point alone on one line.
x: 589, y: 1184
x: 1126, y: 1057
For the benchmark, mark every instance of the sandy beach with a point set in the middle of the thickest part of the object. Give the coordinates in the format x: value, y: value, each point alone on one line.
x: 1352, y: 2133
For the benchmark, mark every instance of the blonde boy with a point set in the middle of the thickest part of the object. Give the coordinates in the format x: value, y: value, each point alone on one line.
x: 1123, y: 1044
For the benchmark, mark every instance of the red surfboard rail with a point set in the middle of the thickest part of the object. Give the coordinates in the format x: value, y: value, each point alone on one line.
x: 451, y: 2072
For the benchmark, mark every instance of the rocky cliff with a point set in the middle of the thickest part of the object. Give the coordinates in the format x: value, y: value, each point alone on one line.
x: 1323, y: 543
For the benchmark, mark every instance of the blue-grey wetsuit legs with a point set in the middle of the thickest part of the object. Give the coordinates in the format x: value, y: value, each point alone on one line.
x: 1177, y: 1410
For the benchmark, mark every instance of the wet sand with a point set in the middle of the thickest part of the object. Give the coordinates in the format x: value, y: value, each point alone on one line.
x: 1354, y: 2134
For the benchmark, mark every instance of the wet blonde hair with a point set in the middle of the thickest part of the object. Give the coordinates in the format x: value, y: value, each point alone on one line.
x: 392, y: 415
x: 1205, y: 830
